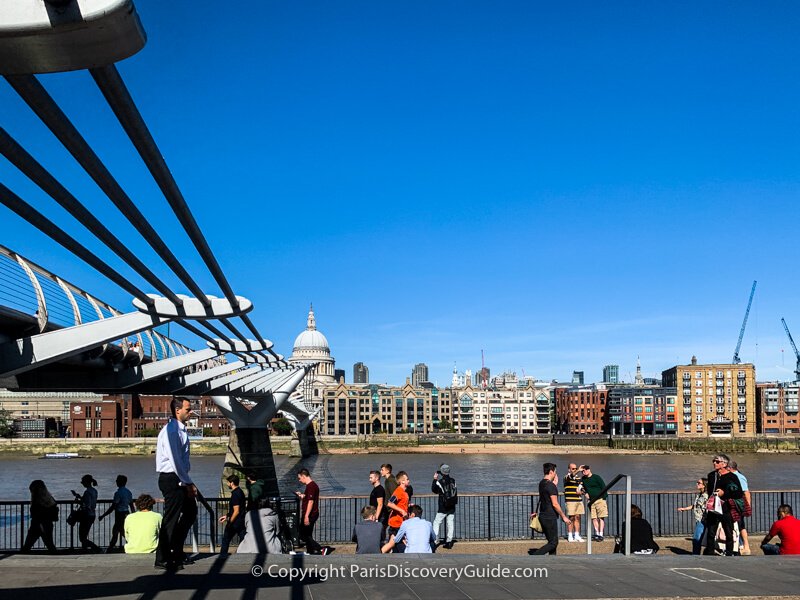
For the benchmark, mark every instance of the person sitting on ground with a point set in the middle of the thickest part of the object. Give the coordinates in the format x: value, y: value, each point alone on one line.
x: 142, y: 527
x: 642, y: 541
x: 262, y: 531
x: 416, y: 532
x: 787, y: 527
x: 367, y: 534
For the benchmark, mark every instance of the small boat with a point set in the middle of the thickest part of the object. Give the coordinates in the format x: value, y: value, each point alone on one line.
x: 64, y: 455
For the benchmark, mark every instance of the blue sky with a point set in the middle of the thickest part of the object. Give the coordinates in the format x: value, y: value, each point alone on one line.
x: 562, y: 186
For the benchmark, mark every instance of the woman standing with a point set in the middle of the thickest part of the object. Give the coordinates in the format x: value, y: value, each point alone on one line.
x: 699, y: 508
x: 88, y: 512
x: 44, y: 513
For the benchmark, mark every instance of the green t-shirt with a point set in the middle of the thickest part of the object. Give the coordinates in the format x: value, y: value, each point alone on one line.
x: 593, y: 486
x: 141, y: 532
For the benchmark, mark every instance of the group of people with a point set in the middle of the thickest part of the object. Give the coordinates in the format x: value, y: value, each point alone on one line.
x: 721, y: 504
x: 391, y: 523
x: 140, y: 529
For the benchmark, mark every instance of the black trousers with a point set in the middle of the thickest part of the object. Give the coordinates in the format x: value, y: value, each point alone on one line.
x: 712, y: 524
x: 118, y: 530
x: 550, y: 530
x: 306, y: 533
x: 39, y: 529
x: 180, y: 512
x: 84, y: 527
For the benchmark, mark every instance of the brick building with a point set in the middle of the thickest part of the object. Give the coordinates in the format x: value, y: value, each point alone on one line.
x: 581, y: 409
x: 716, y: 399
x: 777, y: 405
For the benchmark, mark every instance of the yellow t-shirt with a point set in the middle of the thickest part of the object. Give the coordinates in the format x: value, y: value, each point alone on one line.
x: 141, y: 532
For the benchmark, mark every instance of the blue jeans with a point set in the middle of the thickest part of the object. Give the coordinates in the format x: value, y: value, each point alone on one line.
x: 697, y: 538
x: 770, y: 549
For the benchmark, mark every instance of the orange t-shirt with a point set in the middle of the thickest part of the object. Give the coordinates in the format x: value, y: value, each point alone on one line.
x: 400, y: 498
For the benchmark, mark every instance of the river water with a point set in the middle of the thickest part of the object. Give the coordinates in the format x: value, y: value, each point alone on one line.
x: 346, y: 475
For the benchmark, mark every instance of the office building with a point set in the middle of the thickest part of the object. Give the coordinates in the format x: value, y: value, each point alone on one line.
x: 419, y: 374
x: 360, y: 373
x: 611, y: 374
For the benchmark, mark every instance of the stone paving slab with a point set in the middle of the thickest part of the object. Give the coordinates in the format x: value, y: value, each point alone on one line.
x: 347, y: 577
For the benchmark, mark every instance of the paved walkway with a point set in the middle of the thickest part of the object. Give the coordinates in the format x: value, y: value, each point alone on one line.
x: 342, y: 576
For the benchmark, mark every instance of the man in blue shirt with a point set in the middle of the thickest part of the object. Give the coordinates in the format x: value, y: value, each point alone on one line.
x: 744, y: 546
x: 417, y: 533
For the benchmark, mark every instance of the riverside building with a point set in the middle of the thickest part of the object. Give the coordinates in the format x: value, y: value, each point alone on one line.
x: 778, y: 408
x: 716, y: 399
x: 353, y: 409
x: 507, y: 407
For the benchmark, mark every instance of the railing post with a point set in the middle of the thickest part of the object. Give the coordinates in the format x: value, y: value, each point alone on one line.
x: 627, y: 515
x: 658, y: 509
x: 488, y: 517
x: 21, y: 524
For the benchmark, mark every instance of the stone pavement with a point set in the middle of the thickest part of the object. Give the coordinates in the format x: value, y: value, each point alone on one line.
x: 342, y: 576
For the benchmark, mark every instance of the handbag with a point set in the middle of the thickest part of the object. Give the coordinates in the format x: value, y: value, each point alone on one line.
x: 535, y: 523
x: 76, y: 516
x: 714, y: 504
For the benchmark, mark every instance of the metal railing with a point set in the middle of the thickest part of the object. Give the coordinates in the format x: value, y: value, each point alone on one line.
x: 479, y: 517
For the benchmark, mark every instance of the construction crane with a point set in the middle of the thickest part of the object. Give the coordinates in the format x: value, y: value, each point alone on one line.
x: 796, y: 353
x: 736, y: 359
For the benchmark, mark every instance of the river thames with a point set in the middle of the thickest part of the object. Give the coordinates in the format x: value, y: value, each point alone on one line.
x: 346, y: 475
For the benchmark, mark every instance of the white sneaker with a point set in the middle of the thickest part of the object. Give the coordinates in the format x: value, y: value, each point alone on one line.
x: 579, y: 539
x: 570, y: 538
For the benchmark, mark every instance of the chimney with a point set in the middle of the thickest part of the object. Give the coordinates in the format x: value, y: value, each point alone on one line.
x: 694, y: 361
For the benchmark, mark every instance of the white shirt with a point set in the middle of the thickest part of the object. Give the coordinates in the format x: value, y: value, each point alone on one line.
x: 172, y: 451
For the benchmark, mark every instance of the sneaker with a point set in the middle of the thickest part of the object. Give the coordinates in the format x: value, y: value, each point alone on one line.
x: 579, y: 539
x: 324, y: 551
x: 571, y: 539
x: 599, y: 538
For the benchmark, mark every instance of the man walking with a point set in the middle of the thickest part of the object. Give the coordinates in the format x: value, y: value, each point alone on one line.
x: 445, y: 487
x: 121, y: 505
x: 744, y: 547
x: 180, y: 507
x: 592, y: 486
x: 574, y: 503
x: 309, y: 512
x: 724, y: 484
x: 398, y: 504
x: 234, y: 520
x: 549, y: 509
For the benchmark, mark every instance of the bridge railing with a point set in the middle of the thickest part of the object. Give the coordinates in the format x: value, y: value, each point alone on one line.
x: 478, y: 517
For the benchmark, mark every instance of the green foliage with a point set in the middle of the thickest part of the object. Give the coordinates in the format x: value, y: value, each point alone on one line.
x: 282, y: 426
x: 148, y: 433
x: 6, y: 424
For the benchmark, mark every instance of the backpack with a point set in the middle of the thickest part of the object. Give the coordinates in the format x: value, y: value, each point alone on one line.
x: 449, y: 493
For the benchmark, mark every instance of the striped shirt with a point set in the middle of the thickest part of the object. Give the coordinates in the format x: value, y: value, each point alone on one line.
x: 571, y: 488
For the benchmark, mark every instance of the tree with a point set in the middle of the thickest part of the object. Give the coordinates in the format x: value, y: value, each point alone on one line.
x: 445, y: 425
x: 282, y: 426
x: 6, y: 424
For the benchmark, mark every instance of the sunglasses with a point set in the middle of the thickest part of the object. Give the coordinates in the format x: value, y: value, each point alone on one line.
x: 716, y: 461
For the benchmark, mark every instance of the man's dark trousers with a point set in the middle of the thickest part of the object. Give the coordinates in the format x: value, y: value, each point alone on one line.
x: 306, y: 533
x: 180, y: 511
x: 550, y: 530
x: 713, y: 521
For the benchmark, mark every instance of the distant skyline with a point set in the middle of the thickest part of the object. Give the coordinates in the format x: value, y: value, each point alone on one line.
x: 562, y: 186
